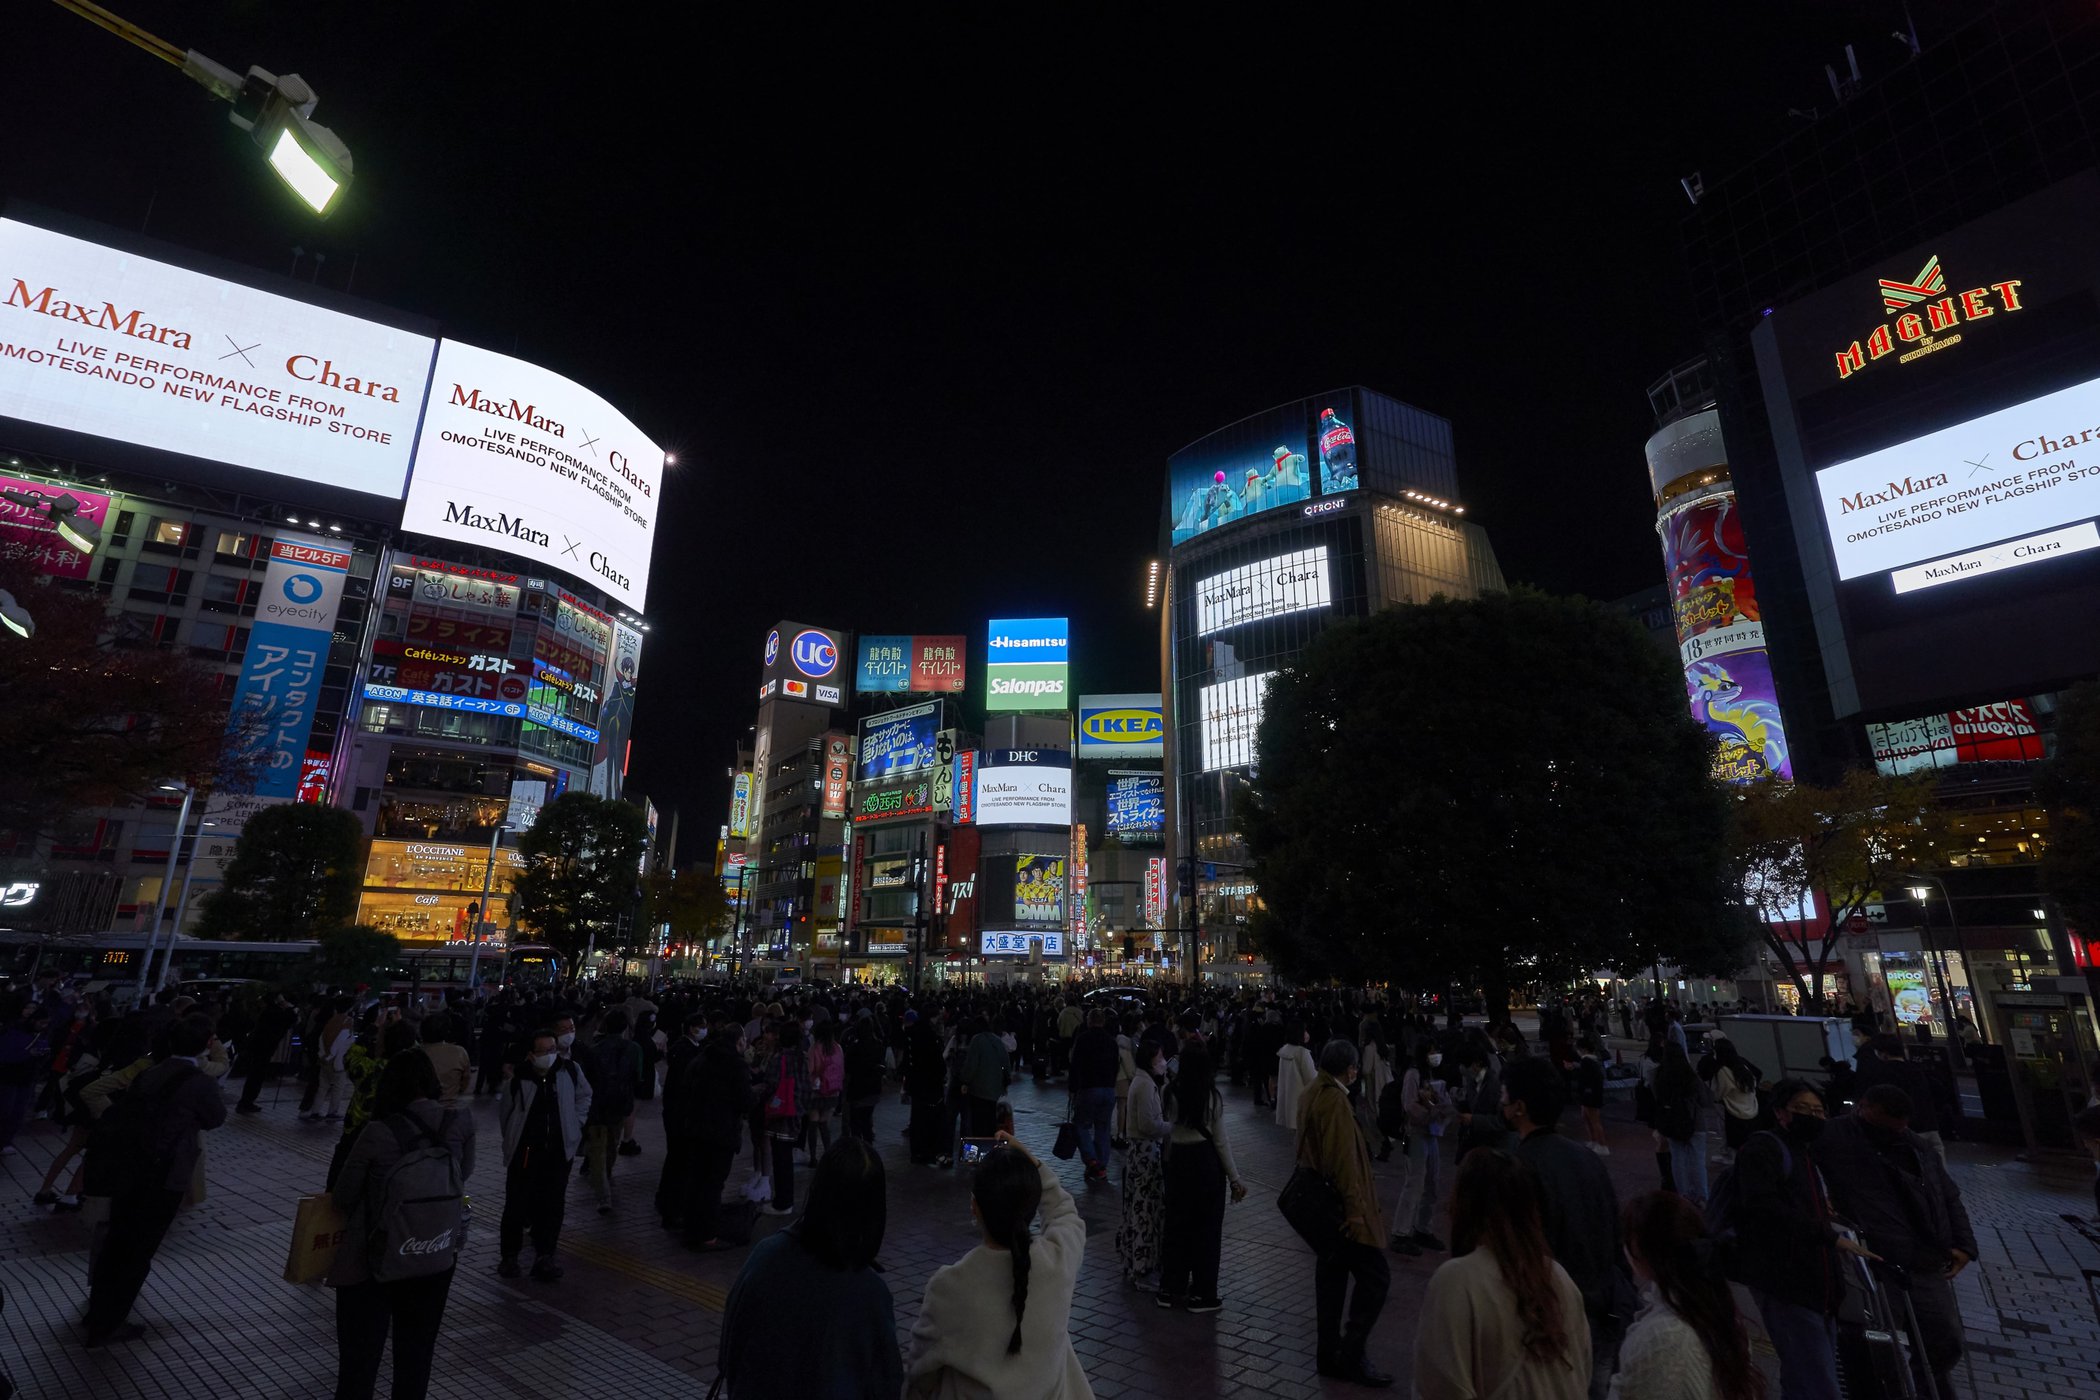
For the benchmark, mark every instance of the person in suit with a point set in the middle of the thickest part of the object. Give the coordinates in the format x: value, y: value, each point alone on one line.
x: 185, y: 1101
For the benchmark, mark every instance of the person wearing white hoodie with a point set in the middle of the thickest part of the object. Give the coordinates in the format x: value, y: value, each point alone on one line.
x: 1295, y: 1073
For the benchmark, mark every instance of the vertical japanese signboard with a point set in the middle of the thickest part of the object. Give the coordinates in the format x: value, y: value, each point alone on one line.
x: 273, y: 707
x: 838, y: 773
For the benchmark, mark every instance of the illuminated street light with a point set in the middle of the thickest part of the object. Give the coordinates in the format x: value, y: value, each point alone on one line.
x: 16, y: 616
x: 64, y: 511
x: 277, y: 112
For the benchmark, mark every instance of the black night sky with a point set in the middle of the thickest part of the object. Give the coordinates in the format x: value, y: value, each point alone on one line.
x: 923, y: 304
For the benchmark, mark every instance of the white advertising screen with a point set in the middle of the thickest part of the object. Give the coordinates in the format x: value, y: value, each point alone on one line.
x: 1231, y: 716
x: 2006, y: 479
x: 100, y: 341
x: 516, y: 457
x: 1025, y: 787
x: 1288, y: 583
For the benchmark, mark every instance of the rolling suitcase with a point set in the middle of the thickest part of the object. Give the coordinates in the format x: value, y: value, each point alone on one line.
x: 1880, y: 1352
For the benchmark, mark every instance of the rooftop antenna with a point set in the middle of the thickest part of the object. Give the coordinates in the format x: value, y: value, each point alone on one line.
x: 1840, y: 88
x: 1908, y: 35
x: 1694, y: 186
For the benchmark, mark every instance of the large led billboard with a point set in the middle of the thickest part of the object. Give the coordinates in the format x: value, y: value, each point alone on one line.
x: 515, y: 457
x: 1288, y: 583
x: 1121, y: 726
x: 1230, y: 713
x: 1137, y: 806
x: 1026, y: 663
x: 1258, y: 464
x: 1024, y: 787
x: 98, y: 341
x: 900, y: 665
x: 1039, y: 889
x: 1721, y: 639
x: 899, y: 742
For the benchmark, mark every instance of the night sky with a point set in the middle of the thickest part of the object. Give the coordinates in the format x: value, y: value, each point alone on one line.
x: 923, y: 310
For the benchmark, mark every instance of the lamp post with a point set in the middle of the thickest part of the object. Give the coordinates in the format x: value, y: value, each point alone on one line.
x: 276, y: 112
x: 189, y: 876
x: 1933, y: 956
x: 481, y: 911
x: 160, y: 903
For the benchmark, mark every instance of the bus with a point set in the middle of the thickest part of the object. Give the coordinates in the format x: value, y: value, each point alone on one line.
x: 113, y: 959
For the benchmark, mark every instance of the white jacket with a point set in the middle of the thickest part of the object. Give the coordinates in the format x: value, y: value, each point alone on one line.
x: 958, y: 1345
x: 572, y: 1099
x: 1295, y: 1073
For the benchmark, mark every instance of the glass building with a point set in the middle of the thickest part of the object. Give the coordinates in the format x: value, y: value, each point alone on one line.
x: 1329, y: 507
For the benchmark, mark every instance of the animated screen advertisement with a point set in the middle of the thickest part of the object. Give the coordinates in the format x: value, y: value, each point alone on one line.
x: 1024, y: 787
x: 1257, y: 464
x: 1721, y: 638
x: 1039, y: 890
x: 1027, y: 664
x: 899, y: 741
x: 1137, y: 805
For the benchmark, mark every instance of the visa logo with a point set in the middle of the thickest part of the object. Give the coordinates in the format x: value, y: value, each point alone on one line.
x: 1122, y: 726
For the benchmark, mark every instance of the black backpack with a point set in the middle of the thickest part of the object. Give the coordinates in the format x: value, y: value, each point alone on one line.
x: 1724, y: 1204
x: 132, y: 1146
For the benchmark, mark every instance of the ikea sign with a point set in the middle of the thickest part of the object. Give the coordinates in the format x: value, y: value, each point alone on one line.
x: 1121, y: 726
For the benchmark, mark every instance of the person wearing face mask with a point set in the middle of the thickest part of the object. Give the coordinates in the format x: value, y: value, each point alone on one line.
x: 541, y: 1110
x: 1144, y: 1184
x: 1786, y: 1246
x: 1889, y: 1182
x: 1429, y: 1111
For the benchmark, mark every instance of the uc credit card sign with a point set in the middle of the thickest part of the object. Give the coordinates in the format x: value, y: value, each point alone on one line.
x: 1027, y: 664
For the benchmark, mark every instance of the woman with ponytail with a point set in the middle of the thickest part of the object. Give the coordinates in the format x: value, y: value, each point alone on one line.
x: 998, y: 1320
x: 1688, y: 1343
x: 1501, y: 1318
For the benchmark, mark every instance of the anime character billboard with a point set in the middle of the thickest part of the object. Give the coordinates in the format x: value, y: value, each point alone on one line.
x: 1721, y: 638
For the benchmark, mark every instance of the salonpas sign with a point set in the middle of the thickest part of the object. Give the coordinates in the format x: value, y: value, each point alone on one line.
x: 1027, y: 663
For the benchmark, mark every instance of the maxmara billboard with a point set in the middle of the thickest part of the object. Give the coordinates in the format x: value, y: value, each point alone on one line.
x: 269, y: 392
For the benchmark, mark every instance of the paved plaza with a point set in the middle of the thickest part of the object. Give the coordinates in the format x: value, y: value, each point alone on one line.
x: 639, y: 1315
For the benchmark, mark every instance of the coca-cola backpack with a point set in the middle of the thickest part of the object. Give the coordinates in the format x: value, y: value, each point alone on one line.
x: 419, y: 1216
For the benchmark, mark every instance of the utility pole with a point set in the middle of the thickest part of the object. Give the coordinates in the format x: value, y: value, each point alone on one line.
x: 918, y: 952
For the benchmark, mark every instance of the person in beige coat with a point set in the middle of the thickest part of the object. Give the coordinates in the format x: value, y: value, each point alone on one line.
x: 1332, y: 1143
x: 997, y: 1322
x: 1500, y: 1318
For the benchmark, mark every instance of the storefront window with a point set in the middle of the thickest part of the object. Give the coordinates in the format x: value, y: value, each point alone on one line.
x: 419, y: 890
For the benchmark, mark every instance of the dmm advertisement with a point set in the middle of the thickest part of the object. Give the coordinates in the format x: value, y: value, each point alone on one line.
x: 273, y: 704
x: 98, y: 341
x: 515, y: 457
x: 1121, y: 726
x: 1026, y: 663
x: 1039, y: 890
x: 899, y: 741
x: 1288, y: 583
x: 1137, y: 805
x: 898, y: 665
x: 1024, y: 787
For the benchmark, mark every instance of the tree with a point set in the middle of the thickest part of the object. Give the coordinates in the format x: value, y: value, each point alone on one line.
x: 583, y: 861
x: 1508, y: 788
x: 2069, y: 787
x: 93, y: 723
x: 692, y: 903
x: 354, y: 955
x: 1792, y: 842
x: 295, y: 872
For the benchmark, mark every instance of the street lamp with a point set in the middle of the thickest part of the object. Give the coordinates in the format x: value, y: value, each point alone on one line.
x: 277, y: 112
x: 481, y: 912
x: 160, y: 903
x: 15, y: 616
x: 64, y: 510
x: 189, y: 876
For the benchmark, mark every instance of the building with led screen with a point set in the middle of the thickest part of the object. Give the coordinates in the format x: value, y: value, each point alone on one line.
x: 1906, y: 346
x: 416, y: 568
x: 1329, y: 507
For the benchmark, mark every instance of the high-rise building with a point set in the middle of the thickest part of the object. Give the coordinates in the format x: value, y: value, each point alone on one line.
x: 1329, y: 507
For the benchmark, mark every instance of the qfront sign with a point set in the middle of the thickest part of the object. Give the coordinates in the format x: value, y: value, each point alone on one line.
x: 518, y: 458
x: 98, y: 341
x: 1026, y: 663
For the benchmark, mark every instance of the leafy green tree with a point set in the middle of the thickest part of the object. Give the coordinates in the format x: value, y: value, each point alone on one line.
x: 295, y: 872
x: 692, y: 903
x: 1791, y: 842
x: 354, y: 955
x: 2069, y: 787
x: 582, y: 870
x: 1487, y: 792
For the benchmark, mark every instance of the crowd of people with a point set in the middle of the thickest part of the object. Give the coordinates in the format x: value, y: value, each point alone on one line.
x: 1549, y: 1284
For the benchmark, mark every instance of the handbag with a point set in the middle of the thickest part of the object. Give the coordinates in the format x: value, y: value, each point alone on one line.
x: 318, y: 1228
x: 1067, y: 1135
x: 1312, y: 1207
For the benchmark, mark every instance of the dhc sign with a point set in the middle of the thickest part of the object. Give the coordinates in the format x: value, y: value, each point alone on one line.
x: 1121, y: 726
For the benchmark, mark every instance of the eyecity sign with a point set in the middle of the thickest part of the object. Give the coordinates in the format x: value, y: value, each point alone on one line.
x: 1026, y: 663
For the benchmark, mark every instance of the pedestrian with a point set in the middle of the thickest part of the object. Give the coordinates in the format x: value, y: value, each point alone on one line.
x: 408, y: 1115
x: 984, y: 1079
x: 455, y: 1073
x: 332, y: 1048
x: 1093, y: 1081
x: 997, y: 1322
x: 1429, y: 1112
x: 143, y: 1156
x: 614, y: 1066
x: 864, y: 1053
x: 1889, y: 1182
x: 1377, y: 1074
x: 541, y: 1110
x: 1589, y: 1093
x: 1295, y: 1073
x: 784, y: 1098
x: 24, y: 1051
x: 1144, y: 1185
x: 1735, y: 1085
x: 1199, y: 1170
x: 1681, y: 1102
x: 1882, y: 1062
x: 387, y: 1036
x: 673, y: 1180
x: 1332, y: 1143
x: 1687, y: 1343
x: 827, y: 1080
x: 1578, y: 1205
x: 1500, y: 1317
x: 1480, y: 1098
x: 714, y: 1103
x: 259, y: 1049
x: 925, y: 1078
x: 822, y: 1268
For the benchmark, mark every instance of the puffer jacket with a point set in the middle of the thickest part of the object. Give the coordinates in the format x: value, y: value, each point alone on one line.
x: 572, y: 1097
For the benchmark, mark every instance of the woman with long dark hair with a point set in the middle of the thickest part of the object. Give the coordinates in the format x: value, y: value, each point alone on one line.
x: 1198, y: 1168
x: 1501, y: 1317
x: 820, y: 1268
x: 1688, y: 1342
x: 998, y: 1320
x: 1144, y: 1183
x: 1681, y: 1101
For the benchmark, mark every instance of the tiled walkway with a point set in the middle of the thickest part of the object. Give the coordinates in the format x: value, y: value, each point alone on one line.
x: 638, y: 1315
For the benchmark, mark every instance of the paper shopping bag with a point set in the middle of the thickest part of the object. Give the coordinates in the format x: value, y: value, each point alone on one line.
x: 317, y: 1228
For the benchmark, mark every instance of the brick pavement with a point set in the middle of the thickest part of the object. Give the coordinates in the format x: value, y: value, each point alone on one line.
x: 636, y: 1310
